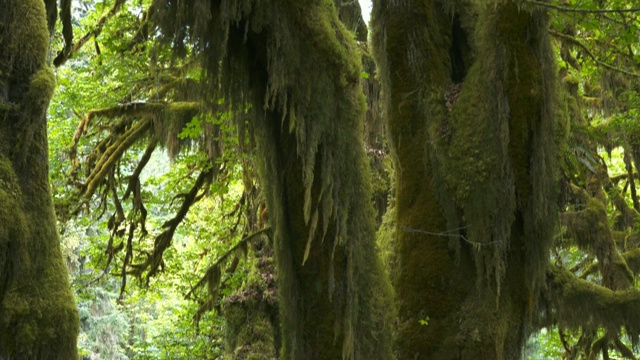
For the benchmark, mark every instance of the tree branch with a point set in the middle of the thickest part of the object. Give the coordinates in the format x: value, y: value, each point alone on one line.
x: 113, y: 153
x: 579, y: 303
x: 225, y: 257
x: 577, y: 42
x: 67, y: 33
x: 69, y: 50
x: 162, y: 241
x: 580, y: 10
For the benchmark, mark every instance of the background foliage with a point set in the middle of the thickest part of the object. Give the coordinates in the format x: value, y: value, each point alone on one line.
x: 598, y: 54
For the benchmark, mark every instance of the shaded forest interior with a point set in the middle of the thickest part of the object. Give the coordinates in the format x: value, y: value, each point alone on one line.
x: 242, y: 179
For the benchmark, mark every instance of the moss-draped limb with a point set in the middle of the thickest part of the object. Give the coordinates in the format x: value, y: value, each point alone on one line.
x: 572, y: 40
x: 577, y: 303
x: 212, y: 278
x: 152, y: 263
x: 590, y: 230
x: 164, y: 121
x: 631, y: 258
x: 113, y: 153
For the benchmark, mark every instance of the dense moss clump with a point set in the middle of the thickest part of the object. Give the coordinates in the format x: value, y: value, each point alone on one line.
x: 299, y: 68
x: 251, y: 315
x: 38, y: 318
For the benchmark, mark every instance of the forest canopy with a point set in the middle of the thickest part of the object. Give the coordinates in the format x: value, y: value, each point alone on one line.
x: 253, y: 179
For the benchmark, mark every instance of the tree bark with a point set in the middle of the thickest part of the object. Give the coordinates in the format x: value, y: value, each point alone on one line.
x: 470, y: 102
x: 333, y: 299
x: 38, y: 317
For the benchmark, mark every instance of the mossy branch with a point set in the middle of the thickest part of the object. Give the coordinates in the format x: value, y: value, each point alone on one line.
x: 631, y: 257
x: 240, y: 246
x: 213, y: 276
x: 616, y: 179
x: 144, y: 160
x: 129, y: 110
x: 123, y: 135
x: 113, y: 154
x: 589, y: 53
x: 162, y: 241
x: 578, y: 303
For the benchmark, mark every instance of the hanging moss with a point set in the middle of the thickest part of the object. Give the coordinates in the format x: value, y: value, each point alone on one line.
x: 411, y: 49
x: 589, y: 228
x: 471, y: 106
x: 170, y: 124
x: 298, y: 67
x: 583, y: 304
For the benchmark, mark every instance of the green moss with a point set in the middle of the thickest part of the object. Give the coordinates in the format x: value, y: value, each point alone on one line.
x: 170, y: 124
x: 301, y: 75
x: 26, y: 41
x: 590, y: 229
x: 251, y: 317
x: 413, y: 86
x: 583, y: 304
x: 476, y: 170
x: 38, y: 318
x: 41, y: 88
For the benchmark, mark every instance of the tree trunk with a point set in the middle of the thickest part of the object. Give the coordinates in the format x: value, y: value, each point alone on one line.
x: 298, y: 67
x: 251, y: 313
x: 38, y: 317
x: 470, y: 108
x: 333, y: 299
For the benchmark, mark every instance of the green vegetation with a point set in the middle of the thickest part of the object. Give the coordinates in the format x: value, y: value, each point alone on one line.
x: 239, y: 179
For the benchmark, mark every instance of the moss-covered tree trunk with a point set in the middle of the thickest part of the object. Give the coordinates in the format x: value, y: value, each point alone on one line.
x: 470, y: 92
x: 38, y: 318
x: 334, y: 298
x: 251, y: 313
x: 298, y: 66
